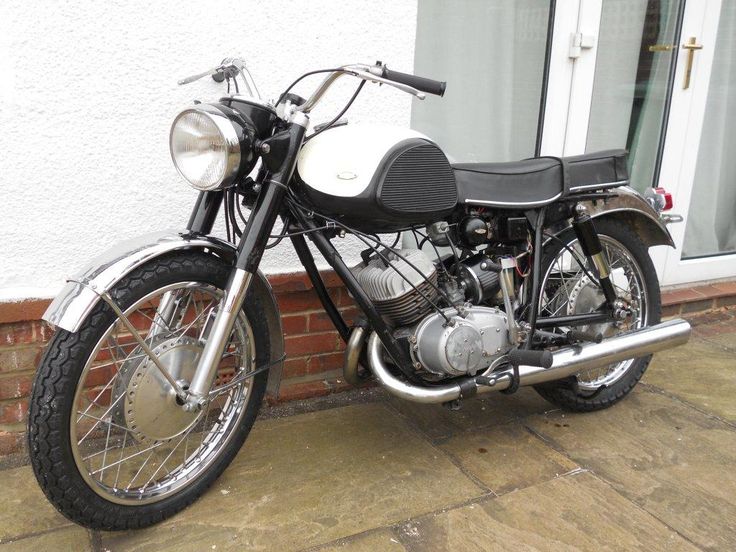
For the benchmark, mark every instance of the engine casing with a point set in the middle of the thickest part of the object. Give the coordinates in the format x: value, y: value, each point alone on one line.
x: 394, y: 297
x: 470, y: 345
x: 376, y: 177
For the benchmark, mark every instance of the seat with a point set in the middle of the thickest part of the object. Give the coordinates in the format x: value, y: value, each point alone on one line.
x: 540, y: 180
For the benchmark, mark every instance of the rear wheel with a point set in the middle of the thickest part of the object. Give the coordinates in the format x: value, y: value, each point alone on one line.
x: 568, y: 289
x: 110, y: 444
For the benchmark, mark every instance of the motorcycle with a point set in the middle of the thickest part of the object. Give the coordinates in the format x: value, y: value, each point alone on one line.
x: 529, y: 273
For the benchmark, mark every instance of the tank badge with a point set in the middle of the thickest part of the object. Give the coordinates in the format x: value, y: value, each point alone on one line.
x: 347, y: 175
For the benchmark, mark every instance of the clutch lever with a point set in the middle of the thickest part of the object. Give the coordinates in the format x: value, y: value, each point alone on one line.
x: 213, y: 71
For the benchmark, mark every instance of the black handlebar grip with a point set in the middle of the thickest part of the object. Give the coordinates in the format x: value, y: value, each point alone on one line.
x: 525, y: 357
x: 430, y: 86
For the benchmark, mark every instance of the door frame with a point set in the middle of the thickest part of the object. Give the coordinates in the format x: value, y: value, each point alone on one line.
x: 684, y: 131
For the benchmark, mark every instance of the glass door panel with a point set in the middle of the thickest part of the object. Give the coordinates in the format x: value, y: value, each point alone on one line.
x: 711, y: 220
x: 637, y: 50
x: 492, y: 55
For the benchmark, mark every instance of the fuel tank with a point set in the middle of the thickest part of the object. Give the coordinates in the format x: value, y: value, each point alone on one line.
x: 376, y: 177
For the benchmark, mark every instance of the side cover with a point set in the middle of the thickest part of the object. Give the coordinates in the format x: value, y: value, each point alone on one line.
x: 77, y: 299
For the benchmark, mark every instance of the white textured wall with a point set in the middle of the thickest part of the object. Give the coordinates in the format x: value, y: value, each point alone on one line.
x: 88, y: 91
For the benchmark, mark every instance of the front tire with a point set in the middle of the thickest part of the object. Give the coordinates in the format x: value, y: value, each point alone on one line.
x: 585, y: 392
x: 107, y: 444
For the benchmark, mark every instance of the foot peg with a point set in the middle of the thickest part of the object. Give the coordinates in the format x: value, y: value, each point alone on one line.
x: 525, y: 357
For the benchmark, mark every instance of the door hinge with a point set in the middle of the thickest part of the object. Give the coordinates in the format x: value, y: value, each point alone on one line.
x: 580, y: 42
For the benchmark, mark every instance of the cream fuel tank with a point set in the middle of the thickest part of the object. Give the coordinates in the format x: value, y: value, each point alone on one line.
x: 376, y: 177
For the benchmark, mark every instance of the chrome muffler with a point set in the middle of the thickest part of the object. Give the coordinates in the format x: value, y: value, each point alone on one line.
x: 567, y: 362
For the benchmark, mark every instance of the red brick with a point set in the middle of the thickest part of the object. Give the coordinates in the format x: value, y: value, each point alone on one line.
x: 295, y: 367
x: 17, y: 333
x: 675, y: 296
x: 16, y: 360
x: 304, y: 390
x: 12, y: 412
x: 326, y: 362
x: 295, y: 324
x: 311, y: 344
x: 284, y: 283
x: 671, y: 310
x: 298, y: 301
x: 697, y: 306
x: 320, y: 322
x: 11, y: 441
x: 726, y: 301
x: 31, y: 309
x: 725, y: 288
x: 14, y: 387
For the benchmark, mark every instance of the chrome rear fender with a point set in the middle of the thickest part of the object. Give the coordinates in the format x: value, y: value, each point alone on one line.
x: 631, y: 206
x: 81, y: 292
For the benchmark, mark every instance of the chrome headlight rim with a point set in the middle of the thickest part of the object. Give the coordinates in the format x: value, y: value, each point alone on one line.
x: 227, y: 130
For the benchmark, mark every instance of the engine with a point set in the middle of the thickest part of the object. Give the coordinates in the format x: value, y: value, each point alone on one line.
x: 475, y: 337
x: 391, y: 290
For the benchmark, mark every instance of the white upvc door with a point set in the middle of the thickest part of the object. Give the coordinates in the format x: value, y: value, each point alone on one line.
x: 699, y: 162
x: 616, y: 80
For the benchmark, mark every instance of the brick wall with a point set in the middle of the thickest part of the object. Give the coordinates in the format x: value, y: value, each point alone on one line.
x: 314, y: 350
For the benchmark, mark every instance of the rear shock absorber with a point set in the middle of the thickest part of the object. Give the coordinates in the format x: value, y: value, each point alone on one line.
x: 590, y: 243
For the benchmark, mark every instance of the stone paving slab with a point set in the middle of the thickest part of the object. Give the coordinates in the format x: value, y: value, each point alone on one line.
x: 655, y: 472
x: 311, y: 479
x: 71, y: 539
x: 25, y: 509
x: 672, y: 460
x: 577, y: 512
x: 702, y: 373
x: 508, y: 457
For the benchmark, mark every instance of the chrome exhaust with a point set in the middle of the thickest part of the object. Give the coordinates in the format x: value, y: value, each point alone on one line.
x: 567, y: 362
x: 352, y: 356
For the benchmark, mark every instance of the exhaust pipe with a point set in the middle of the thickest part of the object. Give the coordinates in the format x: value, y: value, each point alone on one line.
x: 566, y: 362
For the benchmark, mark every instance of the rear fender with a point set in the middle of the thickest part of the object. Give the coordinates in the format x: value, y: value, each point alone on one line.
x: 81, y: 292
x: 630, y: 206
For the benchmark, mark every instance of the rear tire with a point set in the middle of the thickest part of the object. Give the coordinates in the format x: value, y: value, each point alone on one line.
x: 53, y: 405
x: 567, y: 393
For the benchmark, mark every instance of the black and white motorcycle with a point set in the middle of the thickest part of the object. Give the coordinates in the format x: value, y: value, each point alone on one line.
x: 534, y: 272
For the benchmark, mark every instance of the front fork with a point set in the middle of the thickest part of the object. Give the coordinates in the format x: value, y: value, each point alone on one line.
x: 250, y: 250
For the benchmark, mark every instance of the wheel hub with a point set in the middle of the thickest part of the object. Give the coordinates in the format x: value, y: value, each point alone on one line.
x: 152, y: 410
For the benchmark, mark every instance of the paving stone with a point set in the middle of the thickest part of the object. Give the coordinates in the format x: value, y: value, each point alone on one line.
x: 439, y: 423
x: 508, y: 457
x: 675, y: 462
x: 73, y: 539
x: 314, y: 478
x: 25, y: 509
x: 701, y: 373
x: 572, y: 513
x: 383, y: 540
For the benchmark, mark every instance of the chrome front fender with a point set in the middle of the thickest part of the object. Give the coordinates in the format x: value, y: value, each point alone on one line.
x: 631, y: 206
x: 81, y: 293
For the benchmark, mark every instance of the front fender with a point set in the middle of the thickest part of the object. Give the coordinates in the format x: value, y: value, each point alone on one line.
x: 629, y: 205
x: 80, y: 294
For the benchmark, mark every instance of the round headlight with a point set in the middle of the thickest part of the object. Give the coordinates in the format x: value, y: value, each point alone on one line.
x: 205, y: 147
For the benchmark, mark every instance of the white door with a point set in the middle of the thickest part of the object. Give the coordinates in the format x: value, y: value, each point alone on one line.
x: 699, y: 162
x: 626, y: 89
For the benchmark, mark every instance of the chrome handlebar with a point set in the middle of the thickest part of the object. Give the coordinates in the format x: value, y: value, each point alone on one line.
x: 232, y: 67
x: 371, y: 73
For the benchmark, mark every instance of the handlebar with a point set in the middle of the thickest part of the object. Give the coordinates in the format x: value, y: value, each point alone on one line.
x: 430, y: 86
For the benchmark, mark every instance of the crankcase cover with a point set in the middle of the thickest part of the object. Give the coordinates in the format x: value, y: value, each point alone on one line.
x: 470, y: 345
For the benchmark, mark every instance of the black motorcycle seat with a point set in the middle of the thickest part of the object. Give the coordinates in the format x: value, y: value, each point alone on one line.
x: 540, y: 180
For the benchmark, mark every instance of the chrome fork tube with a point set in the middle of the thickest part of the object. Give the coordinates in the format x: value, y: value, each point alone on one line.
x: 218, y: 337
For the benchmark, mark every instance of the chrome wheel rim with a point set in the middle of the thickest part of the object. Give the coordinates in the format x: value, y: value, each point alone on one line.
x: 131, y: 440
x: 567, y: 289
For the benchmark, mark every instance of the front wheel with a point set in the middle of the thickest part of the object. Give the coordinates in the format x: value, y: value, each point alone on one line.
x: 569, y: 289
x: 110, y: 444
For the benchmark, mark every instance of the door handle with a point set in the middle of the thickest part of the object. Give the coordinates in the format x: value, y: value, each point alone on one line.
x: 662, y: 47
x: 691, y: 45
